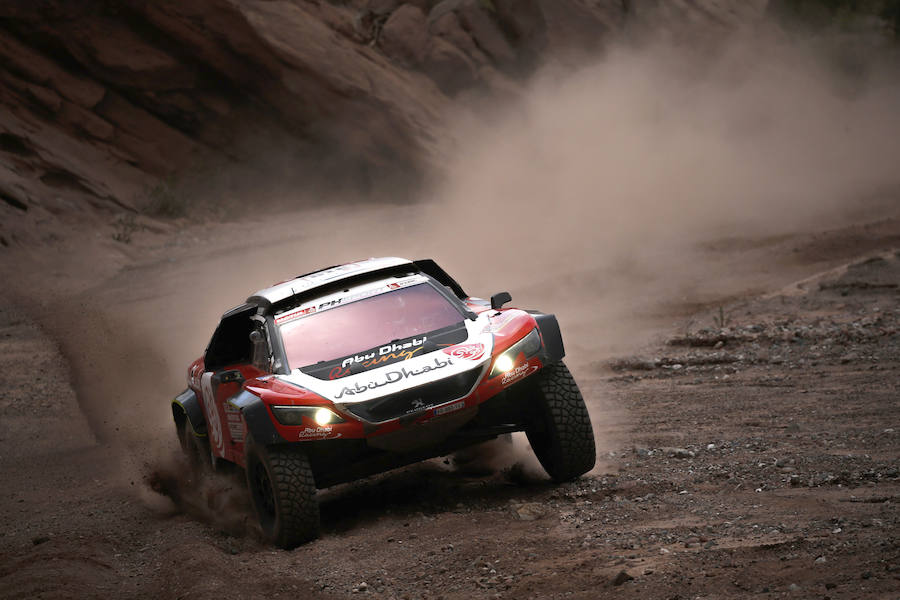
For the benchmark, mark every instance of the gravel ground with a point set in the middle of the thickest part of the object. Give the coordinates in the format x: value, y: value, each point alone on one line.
x: 753, y: 451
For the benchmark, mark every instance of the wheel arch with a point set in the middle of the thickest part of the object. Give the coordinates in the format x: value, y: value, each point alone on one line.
x: 554, y: 349
x: 256, y: 416
x: 186, y: 406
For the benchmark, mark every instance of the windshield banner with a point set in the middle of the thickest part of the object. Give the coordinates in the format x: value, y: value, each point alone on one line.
x: 387, y: 354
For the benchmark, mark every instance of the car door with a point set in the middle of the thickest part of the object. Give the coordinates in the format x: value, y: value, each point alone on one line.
x: 228, y: 362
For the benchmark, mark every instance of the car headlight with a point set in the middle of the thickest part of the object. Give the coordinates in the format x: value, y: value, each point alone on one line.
x: 503, y: 364
x: 528, y: 345
x: 293, y: 415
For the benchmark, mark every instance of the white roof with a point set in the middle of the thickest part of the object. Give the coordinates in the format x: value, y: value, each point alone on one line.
x: 298, y: 285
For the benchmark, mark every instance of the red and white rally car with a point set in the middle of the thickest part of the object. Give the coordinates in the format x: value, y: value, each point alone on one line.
x: 368, y: 366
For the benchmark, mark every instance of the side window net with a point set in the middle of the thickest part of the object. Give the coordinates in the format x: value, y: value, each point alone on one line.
x: 230, y: 343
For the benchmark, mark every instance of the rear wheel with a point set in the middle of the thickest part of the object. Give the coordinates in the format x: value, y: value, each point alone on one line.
x: 560, y: 430
x: 283, y: 493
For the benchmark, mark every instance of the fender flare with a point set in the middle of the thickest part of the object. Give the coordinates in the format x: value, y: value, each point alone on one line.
x: 188, y: 405
x: 554, y: 350
x: 256, y: 416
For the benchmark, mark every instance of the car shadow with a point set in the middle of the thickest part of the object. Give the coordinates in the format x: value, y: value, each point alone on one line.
x: 457, y: 483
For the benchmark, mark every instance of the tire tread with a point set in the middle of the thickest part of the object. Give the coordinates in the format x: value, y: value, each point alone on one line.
x: 294, y: 487
x: 566, y: 449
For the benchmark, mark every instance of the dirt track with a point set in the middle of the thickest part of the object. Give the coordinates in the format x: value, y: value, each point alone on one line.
x: 754, y: 454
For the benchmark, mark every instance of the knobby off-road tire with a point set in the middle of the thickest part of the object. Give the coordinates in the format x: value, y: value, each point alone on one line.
x: 561, y: 436
x: 283, y: 493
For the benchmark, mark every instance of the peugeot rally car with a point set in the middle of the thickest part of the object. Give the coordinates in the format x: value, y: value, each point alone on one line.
x: 368, y: 366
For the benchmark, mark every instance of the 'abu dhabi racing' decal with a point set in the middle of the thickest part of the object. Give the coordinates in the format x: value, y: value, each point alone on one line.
x: 392, y: 377
x: 518, y: 373
x: 318, y: 432
x: 387, y: 354
x: 411, y: 347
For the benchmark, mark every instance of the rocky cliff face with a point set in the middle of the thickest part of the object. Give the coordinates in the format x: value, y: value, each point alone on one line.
x: 102, y: 103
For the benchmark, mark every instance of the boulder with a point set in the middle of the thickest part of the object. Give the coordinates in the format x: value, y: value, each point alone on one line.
x: 120, y: 56
x: 485, y: 31
x: 449, y: 67
x: 524, y: 24
x: 44, y: 96
x: 448, y: 27
x: 86, y: 121
x: 404, y: 36
x: 472, y: 26
x: 382, y: 7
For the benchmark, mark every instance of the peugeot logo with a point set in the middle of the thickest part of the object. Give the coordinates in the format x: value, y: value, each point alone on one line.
x: 417, y: 403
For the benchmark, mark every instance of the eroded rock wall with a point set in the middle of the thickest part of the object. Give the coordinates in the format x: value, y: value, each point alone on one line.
x: 102, y: 100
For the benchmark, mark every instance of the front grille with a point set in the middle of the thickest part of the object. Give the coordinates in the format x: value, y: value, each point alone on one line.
x: 415, y: 399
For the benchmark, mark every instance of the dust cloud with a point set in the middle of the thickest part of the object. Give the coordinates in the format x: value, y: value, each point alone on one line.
x: 652, y: 179
x: 597, y: 193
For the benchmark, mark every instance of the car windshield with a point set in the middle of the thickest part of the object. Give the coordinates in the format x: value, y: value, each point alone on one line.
x: 364, y: 324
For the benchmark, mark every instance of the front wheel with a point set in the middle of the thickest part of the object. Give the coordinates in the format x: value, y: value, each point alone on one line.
x: 560, y: 432
x: 283, y: 493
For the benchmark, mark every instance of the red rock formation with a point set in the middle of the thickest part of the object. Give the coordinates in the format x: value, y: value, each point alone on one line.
x: 101, y: 100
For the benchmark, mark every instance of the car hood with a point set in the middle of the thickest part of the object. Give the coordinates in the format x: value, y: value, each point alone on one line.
x: 472, y: 353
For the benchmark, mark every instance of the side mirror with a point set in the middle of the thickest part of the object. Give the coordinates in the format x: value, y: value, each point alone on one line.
x: 499, y: 299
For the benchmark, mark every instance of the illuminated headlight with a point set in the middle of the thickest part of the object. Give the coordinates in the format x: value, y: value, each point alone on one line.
x: 324, y: 416
x: 528, y: 345
x: 503, y: 364
x: 293, y: 415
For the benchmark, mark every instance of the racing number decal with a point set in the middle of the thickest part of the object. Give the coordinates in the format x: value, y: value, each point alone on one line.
x: 214, y: 424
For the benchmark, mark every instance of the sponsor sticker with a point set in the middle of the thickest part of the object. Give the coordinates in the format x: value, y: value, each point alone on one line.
x: 235, y: 423
x: 407, y: 282
x: 466, y: 351
x: 449, y: 408
x: 312, y: 433
x: 518, y: 373
x: 392, y: 377
x: 417, y: 405
x: 330, y: 304
x: 384, y: 355
x: 213, y: 423
x: 387, y: 352
x: 294, y: 314
x: 334, y: 302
